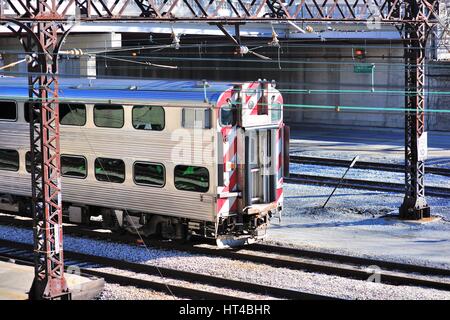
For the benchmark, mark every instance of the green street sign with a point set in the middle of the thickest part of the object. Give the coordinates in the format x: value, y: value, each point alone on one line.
x: 363, y: 68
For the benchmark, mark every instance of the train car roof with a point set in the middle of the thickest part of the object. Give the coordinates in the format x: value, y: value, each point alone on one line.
x: 122, y: 90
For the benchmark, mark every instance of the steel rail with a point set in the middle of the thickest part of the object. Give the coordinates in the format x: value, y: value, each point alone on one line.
x: 281, y: 260
x: 240, y: 286
x: 361, y: 184
x: 391, y: 167
x: 341, y: 258
x: 178, y: 291
x: 330, y: 269
x: 281, y: 250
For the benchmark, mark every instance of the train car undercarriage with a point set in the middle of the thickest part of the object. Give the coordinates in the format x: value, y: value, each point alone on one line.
x: 228, y: 232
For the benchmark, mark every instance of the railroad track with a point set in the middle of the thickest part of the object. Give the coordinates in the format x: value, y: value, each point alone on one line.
x: 334, y: 267
x: 23, y: 252
x: 392, y: 167
x: 299, y: 259
x: 362, y: 184
x: 360, y: 261
x: 18, y: 256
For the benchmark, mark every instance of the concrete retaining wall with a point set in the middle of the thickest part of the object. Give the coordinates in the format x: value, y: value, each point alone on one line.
x: 328, y: 67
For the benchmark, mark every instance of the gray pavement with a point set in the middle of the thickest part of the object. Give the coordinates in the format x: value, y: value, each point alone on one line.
x: 371, y: 144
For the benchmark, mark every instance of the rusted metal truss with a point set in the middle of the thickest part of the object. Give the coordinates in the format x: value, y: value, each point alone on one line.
x: 42, y: 40
x: 415, y: 37
x: 389, y: 11
x: 38, y: 22
x: 49, y: 279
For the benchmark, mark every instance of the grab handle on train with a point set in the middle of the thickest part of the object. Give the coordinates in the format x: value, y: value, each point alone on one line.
x: 286, y: 158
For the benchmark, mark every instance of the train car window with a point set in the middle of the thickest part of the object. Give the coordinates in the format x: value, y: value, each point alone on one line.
x: 26, y: 111
x: 148, y: 118
x: 9, y: 160
x: 109, y: 170
x: 191, y: 178
x: 262, y: 107
x: 72, y: 114
x: 8, y: 110
x: 28, y: 161
x: 228, y: 115
x: 196, y: 118
x: 108, y: 116
x: 150, y: 174
x: 73, y: 167
x: 276, y: 112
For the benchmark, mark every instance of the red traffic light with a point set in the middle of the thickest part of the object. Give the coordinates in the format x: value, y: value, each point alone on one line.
x: 359, y: 53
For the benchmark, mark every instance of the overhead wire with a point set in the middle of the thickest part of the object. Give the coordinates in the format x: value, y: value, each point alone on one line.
x: 254, y: 41
x: 205, y: 45
x: 291, y: 90
x: 146, y: 63
x: 341, y: 64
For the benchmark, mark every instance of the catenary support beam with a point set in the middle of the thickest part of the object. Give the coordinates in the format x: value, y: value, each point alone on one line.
x: 41, y: 41
x: 49, y: 281
x: 389, y: 11
x: 415, y: 36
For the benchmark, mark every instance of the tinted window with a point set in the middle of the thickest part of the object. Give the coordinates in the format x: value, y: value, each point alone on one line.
x: 196, y: 118
x: 191, y: 178
x: 151, y: 174
x: 28, y: 161
x: 110, y: 116
x: 110, y: 170
x: 227, y: 115
x: 69, y: 113
x: 9, y: 160
x: 8, y: 110
x: 262, y: 107
x: 276, y: 112
x: 73, y: 114
x: 148, y: 118
x: 73, y: 166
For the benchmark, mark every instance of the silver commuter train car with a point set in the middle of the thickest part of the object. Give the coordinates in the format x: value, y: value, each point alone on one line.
x: 178, y: 158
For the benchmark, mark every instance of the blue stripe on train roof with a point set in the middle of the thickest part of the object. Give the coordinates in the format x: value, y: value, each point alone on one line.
x: 118, y: 89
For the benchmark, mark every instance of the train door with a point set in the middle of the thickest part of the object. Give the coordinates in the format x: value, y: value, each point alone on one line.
x: 259, y: 167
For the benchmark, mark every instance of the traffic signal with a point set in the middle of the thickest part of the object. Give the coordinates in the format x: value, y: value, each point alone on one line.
x: 359, y: 53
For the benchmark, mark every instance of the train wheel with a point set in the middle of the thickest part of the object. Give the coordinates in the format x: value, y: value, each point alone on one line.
x: 232, y: 242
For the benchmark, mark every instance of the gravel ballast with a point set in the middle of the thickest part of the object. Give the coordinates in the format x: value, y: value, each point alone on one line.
x: 117, y: 292
x: 362, y: 223
x: 239, y: 270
